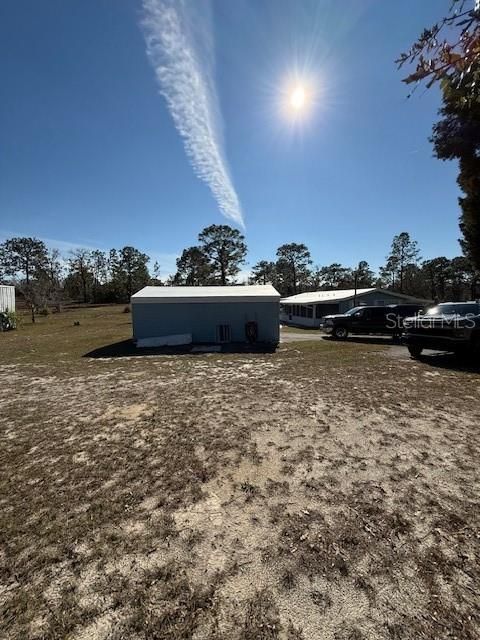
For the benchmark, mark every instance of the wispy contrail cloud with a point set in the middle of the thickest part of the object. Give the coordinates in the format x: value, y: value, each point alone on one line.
x: 181, y: 55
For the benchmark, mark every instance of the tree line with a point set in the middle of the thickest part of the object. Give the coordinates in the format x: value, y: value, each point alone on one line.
x: 293, y: 271
x: 404, y: 271
x: 46, y: 279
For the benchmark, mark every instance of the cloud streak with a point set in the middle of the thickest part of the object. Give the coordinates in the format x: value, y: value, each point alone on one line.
x: 181, y: 54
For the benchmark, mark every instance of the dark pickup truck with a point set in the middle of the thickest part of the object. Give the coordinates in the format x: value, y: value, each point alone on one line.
x: 385, y: 320
x: 450, y: 326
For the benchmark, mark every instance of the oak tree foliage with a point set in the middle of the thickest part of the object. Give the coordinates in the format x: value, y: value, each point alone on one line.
x: 448, y: 50
x: 448, y: 53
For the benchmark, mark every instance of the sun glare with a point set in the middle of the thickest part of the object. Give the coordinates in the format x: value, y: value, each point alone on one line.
x: 298, y: 98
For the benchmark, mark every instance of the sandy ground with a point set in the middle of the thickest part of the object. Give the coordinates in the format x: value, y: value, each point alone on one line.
x: 325, y: 492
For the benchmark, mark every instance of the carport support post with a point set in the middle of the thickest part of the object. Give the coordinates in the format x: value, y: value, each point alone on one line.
x: 355, y: 286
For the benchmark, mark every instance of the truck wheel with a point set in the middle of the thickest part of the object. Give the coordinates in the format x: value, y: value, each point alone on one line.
x: 415, y: 351
x: 340, y: 333
x: 476, y: 347
x: 462, y: 352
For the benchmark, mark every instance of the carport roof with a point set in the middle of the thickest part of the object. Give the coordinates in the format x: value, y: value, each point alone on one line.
x: 313, y: 297
x: 258, y: 293
x: 337, y: 295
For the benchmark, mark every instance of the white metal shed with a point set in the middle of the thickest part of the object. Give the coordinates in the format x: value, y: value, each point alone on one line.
x: 217, y: 314
x: 7, y: 297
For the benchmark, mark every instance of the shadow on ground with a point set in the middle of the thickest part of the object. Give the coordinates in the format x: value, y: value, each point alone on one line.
x: 450, y: 361
x: 383, y: 340
x: 127, y: 349
x: 440, y: 359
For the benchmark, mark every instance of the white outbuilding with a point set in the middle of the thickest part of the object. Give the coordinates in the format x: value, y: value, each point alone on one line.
x: 220, y: 314
x: 7, y: 298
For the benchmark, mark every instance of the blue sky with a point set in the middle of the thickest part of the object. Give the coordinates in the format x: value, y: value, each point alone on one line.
x: 90, y: 154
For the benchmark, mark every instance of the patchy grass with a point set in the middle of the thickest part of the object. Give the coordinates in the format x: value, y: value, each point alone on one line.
x: 293, y: 329
x: 65, y: 336
x: 326, y: 491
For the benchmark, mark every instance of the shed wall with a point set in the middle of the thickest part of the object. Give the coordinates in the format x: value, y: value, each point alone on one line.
x: 201, y: 319
x: 7, y: 298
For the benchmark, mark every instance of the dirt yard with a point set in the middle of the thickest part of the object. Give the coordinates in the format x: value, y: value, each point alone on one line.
x: 328, y: 491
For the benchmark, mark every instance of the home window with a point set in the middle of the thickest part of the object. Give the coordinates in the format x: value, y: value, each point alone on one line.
x: 224, y: 333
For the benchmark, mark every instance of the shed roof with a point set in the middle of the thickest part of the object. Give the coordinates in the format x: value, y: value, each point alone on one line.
x: 337, y: 295
x: 233, y: 293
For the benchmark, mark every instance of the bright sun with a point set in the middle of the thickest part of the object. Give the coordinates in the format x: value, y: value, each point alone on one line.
x: 298, y: 98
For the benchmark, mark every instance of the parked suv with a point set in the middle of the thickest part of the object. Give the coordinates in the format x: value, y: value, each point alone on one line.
x: 451, y: 326
x: 386, y: 320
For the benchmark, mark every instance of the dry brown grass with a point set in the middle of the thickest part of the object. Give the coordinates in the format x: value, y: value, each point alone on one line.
x: 328, y: 491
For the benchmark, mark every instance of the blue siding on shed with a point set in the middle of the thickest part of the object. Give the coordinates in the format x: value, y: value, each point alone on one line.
x: 202, y: 318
